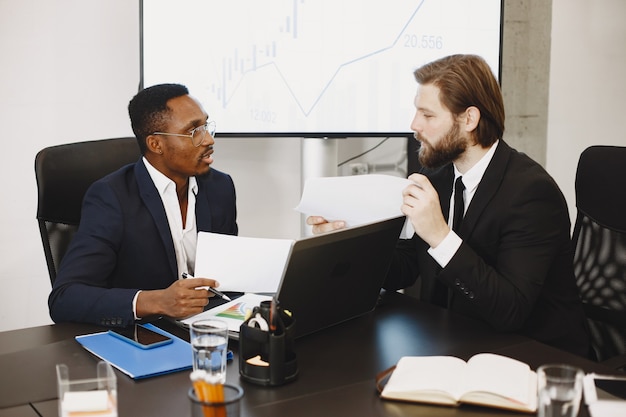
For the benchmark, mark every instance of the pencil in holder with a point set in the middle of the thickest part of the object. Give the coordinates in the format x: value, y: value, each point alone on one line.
x: 266, y: 346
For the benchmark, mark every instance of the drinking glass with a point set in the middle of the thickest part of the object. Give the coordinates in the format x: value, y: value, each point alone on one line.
x: 209, y: 341
x: 560, y: 388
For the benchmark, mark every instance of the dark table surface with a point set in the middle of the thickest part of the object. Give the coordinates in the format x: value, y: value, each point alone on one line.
x: 337, y: 366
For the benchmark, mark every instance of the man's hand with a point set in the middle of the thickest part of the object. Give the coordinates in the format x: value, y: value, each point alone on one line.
x: 321, y: 225
x: 181, y: 299
x: 421, y: 205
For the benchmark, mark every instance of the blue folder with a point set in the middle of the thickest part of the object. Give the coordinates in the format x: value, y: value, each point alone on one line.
x: 136, y: 362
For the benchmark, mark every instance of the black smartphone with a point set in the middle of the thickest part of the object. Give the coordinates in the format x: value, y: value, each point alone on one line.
x: 140, y: 336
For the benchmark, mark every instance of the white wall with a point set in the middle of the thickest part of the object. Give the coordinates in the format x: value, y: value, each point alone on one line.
x: 69, y: 67
x: 67, y: 71
x: 587, y: 84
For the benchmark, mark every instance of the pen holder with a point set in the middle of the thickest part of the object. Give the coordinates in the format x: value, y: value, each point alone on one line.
x: 266, y: 347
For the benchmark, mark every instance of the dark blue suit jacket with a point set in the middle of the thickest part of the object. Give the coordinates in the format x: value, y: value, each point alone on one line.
x: 124, y: 244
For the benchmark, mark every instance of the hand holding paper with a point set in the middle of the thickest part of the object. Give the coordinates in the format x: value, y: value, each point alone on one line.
x: 356, y: 199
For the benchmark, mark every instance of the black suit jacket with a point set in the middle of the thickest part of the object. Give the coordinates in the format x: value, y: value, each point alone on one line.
x: 124, y: 244
x: 514, y: 268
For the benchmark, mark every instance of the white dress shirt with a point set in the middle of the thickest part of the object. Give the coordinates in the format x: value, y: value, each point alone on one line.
x: 471, y: 179
x: 185, y: 238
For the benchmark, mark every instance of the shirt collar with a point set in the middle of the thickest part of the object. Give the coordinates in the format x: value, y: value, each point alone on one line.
x: 472, y: 177
x: 162, y: 182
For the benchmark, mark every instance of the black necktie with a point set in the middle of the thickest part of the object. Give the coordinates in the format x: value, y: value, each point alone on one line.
x: 459, y: 205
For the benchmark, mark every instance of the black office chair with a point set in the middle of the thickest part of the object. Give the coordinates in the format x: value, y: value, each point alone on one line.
x: 63, y: 173
x: 600, y: 239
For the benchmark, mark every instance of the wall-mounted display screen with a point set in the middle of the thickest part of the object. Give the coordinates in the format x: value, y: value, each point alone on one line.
x: 310, y: 68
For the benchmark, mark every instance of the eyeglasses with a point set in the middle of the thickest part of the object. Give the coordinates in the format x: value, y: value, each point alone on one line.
x: 197, y: 135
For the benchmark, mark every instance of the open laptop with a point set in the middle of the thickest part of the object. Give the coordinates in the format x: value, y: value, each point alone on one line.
x: 328, y: 279
x: 337, y: 276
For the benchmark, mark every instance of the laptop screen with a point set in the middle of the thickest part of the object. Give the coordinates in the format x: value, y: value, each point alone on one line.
x: 337, y: 276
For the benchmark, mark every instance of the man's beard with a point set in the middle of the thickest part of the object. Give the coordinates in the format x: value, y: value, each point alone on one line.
x: 449, y: 148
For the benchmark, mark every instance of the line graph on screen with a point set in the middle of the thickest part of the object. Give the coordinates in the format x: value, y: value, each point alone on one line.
x: 310, y: 67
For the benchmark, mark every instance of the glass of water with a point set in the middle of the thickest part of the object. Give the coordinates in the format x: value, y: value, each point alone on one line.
x: 560, y: 388
x: 209, y: 341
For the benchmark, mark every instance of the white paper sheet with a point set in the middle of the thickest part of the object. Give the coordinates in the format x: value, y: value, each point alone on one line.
x: 243, y: 264
x: 607, y: 409
x: 355, y: 199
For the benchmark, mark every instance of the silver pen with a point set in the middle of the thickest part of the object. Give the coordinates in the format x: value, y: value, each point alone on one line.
x: 213, y: 290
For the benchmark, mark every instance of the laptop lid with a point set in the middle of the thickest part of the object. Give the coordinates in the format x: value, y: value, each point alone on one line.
x: 337, y: 276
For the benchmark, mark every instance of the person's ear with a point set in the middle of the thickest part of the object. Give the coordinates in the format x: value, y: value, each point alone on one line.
x: 471, y: 118
x: 153, y: 144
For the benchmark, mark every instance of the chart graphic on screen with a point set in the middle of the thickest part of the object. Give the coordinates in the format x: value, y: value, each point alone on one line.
x: 310, y: 67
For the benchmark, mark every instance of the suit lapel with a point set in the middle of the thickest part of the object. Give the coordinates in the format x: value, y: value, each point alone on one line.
x: 151, y: 198
x: 489, y: 185
x: 203, y: 208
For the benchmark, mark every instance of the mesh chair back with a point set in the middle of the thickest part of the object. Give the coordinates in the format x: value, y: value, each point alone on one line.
x: 63, y: 173
x: 600, y: 238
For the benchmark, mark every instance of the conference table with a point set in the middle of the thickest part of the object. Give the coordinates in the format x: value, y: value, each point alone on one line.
x: 337, y: 366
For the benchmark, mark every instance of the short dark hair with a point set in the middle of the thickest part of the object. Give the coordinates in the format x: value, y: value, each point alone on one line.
x: 465, y: 81
x: 148, y: 110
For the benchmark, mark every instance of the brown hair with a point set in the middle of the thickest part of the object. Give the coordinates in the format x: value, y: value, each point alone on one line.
x: 464, y: 81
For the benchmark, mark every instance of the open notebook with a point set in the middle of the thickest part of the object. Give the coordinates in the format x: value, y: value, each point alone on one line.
x: 327, y: 279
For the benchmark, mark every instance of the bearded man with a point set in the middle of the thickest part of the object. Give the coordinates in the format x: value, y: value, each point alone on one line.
x: 497, y: 245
